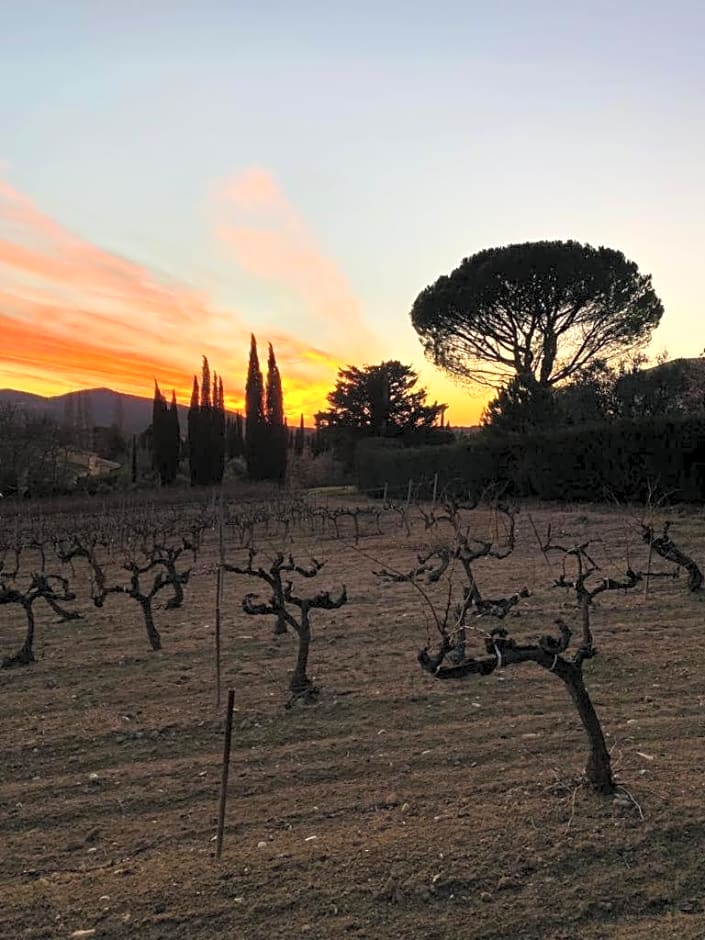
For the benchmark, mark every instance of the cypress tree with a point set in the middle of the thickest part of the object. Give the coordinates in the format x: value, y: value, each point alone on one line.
x: 299, y: 439
x: 194, y: 443
x: 205, y: 455
x: 276, y: 424
x: 240, y: 434
x: 235, y: 445
x: 174, y: 439
x: 255, y: 425
x: 160, y: 436
x: 218, y: 430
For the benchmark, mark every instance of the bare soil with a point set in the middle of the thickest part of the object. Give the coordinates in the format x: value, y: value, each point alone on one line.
x: 395, y: 807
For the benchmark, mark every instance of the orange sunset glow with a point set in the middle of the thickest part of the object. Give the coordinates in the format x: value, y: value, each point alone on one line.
x: 75, y: 316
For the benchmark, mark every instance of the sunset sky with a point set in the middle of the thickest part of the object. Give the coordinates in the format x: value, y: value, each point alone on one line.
x: 175, y: 174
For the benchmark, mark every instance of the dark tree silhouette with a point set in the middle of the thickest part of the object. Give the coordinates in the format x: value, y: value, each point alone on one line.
x: 166, y: 437
x: 299, y: 438
x: 543, y: 310
x: 277, y: 432
x: 174, y: 438
x: 194, y: 438
x: 234, y: 439
x: 255, y: 422
x: 206, y: 424
x: 522, y: 405
x: 380, y: 400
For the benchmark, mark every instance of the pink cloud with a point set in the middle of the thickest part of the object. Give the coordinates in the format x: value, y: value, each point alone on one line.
x: 75, y: 314
x: 269, y: 239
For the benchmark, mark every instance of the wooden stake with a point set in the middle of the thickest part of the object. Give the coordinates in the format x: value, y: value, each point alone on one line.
x: 384, y: 498
x: 435, y: 487
x: 226, y: 767
x: 408, y: 493
x: 218, y: 595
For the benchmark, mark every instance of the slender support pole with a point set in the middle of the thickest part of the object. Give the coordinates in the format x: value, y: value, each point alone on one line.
x: 408, y: 493
x: 226, y: 767
x: 218, y: 595
x: 435, y: 487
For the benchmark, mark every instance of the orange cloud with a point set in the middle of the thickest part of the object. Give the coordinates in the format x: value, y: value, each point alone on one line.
x: 269, y: 239
x: 73, y: 315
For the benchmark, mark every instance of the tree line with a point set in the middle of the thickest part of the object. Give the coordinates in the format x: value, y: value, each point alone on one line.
x: 261, y: 437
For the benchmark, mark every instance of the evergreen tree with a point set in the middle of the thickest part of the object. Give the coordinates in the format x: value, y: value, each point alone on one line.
x: 174, y: 439
x: 235, y: 444
x: 159, y: 432
x: 277, y: 432
x: 194, y: 441
x: 206, y: 423
x: 299, y: 438
x: 205, y: 456
x: 205, y: 384
x: 217, y: 431
x: 166, y: 437
x: 255, y: 423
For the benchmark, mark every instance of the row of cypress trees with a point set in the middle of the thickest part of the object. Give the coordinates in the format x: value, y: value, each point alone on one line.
x: 266, y: 432
x: 262, y: 437
x: 206, y: 429
x: 166, y: 437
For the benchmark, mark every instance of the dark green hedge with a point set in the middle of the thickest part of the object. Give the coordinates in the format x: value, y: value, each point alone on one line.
x: 585, y: 463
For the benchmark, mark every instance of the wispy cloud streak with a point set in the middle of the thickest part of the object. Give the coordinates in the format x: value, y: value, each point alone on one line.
x: 72, y: 313
x: 269, y: 238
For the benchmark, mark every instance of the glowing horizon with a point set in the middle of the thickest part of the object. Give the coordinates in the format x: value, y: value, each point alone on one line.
x: 303, y: 175
x: 66, y: 302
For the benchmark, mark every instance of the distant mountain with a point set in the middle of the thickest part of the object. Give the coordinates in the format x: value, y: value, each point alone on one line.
x: 106, y: 407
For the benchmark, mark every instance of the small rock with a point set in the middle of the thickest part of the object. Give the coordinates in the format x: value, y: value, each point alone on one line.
x: 262, y: 845
x: 486, y: 897
x: 405, y: 807
x: 160, y: 907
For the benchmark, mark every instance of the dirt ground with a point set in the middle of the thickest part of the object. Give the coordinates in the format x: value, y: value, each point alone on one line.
x: 396, y: 807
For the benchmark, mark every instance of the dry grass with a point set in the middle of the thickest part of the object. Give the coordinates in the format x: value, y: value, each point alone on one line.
x: 397, y: 806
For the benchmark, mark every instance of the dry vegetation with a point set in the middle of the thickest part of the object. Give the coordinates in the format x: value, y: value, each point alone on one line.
x: 395, y: 806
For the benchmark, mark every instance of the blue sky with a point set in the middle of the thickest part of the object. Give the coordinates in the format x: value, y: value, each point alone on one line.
x: 400, y: 137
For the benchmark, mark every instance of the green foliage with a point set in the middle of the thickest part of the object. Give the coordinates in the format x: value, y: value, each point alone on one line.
x: 624, y: 459
x: 540, y: 309
x: 277, y: 431
x: 299, y: 438
x: 673, y: 388
x: 521, y: 406
x: 33, y: 453
x: 465, y: 467
x: 266, y: 433
x: 379, y: 401
x: 206, y: 428
x: 234, y: 437
x: 255, y: 421
x: 166, y: 437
